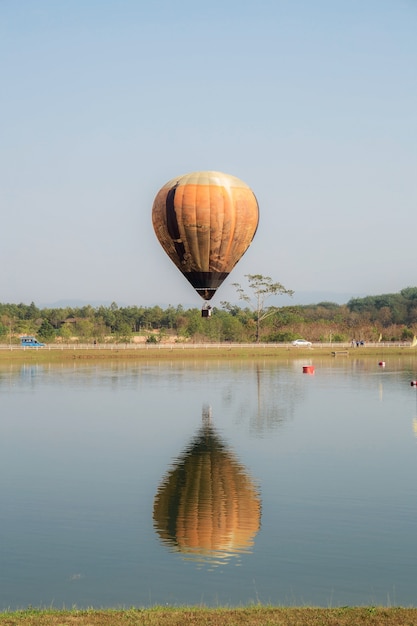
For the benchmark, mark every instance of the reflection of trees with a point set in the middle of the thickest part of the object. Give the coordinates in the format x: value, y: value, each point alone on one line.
x: 273, y: 409
x: 207, y: 507
x: 268, y: 398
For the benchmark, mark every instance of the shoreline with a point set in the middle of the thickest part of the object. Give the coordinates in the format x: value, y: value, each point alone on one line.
x: 183, y: 352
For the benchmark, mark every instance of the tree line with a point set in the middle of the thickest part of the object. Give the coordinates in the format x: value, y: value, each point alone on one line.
x: 388, y: 317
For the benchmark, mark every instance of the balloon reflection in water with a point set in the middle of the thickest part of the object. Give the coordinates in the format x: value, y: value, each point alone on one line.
x: 207, y: 507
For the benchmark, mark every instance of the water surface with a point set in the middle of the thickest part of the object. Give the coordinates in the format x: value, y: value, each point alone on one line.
x: 221, y: 483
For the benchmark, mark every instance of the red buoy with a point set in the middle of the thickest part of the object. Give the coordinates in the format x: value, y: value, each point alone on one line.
x: 308, y: 369
x: 413, y: 383
x: 381, y: 363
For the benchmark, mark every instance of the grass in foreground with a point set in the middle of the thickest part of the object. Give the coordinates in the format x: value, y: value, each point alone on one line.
x: 251, y: 616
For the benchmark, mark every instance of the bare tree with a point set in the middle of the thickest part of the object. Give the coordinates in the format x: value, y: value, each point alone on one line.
x: 262, y: 288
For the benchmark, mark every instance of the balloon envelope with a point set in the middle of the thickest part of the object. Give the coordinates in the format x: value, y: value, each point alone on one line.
x: 205, y: 222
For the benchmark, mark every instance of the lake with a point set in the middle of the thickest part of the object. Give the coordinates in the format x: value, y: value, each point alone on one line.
x: 214, y: 483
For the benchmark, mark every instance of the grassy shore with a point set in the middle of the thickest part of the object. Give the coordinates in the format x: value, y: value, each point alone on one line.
x: 251, y: 616
x: 193, y: 352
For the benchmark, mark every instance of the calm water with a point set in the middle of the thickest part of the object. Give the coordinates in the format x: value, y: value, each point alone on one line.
x: 214, y: 483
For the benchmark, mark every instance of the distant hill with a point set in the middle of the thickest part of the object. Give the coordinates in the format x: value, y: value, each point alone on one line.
x: 75, y: 303
x: 299, y: 297
x: 314, y: 297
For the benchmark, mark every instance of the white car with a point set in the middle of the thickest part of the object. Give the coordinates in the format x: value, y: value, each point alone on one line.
x: 302, y: 343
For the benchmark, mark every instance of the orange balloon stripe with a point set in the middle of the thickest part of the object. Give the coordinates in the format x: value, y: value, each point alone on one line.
x: 208, y: 224
x: 205, y: 221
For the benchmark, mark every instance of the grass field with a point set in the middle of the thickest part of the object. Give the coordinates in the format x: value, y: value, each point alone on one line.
x: 251, y: 616
x: 196, y: 351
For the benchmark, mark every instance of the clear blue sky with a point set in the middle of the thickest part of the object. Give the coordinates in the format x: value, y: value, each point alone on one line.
x: 312, y: 103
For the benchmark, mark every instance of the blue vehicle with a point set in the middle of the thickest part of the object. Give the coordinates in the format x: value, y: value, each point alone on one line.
x: 30, y: 342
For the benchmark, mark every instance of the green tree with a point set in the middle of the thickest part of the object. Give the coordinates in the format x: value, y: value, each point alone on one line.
x: 65, y: 332
x: 46, y: 331
x: 262, y: 288
x: 232, y: 328
x: 123, y: 332
x: 32, y: 312
x: 196, y: 326
x: 85, y: 329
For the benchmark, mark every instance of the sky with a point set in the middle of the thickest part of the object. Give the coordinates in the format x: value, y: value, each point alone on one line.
x: 312, y: 104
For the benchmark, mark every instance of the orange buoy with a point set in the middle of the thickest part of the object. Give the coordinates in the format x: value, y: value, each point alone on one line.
x: 308, y: 369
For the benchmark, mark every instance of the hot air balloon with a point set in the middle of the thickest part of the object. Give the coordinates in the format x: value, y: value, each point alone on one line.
x: 207, y: 507
x: 205, y: 222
